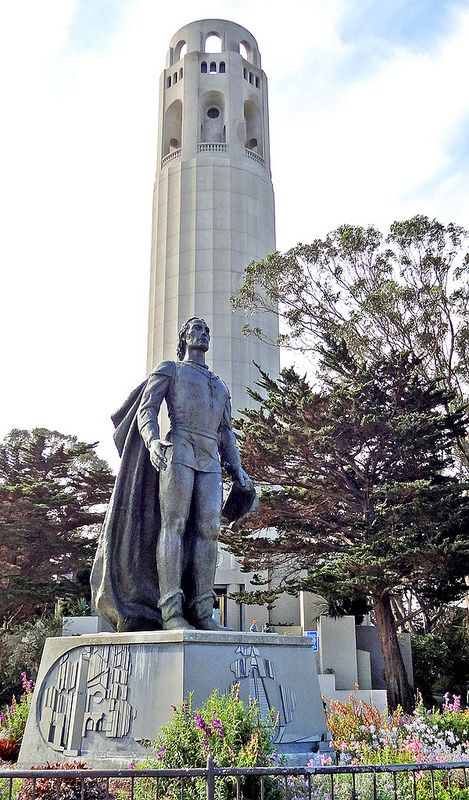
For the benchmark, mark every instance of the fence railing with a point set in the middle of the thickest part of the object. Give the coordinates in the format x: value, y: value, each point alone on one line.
x: 376, y: 782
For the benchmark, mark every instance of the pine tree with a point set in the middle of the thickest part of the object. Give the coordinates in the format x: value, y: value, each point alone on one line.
x: 407, y: 290
x: 360, y: 488
x: 53, y: 491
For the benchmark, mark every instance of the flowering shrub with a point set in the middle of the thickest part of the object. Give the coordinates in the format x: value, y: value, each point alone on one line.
x: 363, y: 735
x: 438, y: 735
x: 357, y: 727
x: 226, y: 728
x: 13, y: 718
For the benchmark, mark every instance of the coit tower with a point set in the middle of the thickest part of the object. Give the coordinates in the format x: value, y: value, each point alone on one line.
x: 213, y: 205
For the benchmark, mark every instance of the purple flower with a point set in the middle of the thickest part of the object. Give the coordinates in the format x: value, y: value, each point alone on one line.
x: 132, y: 764
x: 161, y: 752
x: 201, y: 724
x: 217, y: 725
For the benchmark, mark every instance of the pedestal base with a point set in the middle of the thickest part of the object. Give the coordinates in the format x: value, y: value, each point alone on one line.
x: 99, y: 696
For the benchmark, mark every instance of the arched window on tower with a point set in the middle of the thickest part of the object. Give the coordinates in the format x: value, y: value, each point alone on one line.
x: 245, y: 51
x: 168, y: 82
x: 257, y: 82
x: 181, y: 73
x: 180, y: 50
x: 203, y: 66
x: 213, y: 67
x: 253, y: 123
x: 175, y: 77
x: 222, y: 66
x: 172, y: 128
x: 212, y: 111
x: 213, y: 43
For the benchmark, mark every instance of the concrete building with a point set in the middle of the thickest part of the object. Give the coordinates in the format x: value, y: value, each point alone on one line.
x: 213, y: 206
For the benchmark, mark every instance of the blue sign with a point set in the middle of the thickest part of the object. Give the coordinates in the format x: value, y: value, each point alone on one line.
x: 314, y: 636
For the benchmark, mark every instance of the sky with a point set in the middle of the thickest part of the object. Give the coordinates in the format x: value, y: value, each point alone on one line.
x: 369, y: 117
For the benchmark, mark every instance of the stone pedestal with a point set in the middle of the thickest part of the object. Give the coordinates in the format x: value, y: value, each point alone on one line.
x: 99, y: 696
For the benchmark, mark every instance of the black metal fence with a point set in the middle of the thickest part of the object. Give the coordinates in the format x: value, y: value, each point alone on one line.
x: 435, y: 781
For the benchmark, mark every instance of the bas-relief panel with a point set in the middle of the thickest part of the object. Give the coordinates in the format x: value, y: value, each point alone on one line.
x: 256, y: 678
x: 88, y: 700
x: 86, y: 691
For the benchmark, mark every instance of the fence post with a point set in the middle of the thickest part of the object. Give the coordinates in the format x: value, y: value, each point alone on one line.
x: 210, y: 778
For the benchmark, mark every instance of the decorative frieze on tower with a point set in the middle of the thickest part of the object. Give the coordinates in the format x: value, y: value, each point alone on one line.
x: 213, y: 206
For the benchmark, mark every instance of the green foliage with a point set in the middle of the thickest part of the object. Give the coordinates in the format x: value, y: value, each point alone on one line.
x: 224, y: 727
x: 21, y: 647
x: 5, y: 793
x: 53, y: 490
x: 78, y: 607
x: 442, y: 788
x: 441, y: 658
x: 408, y: 290
x: 359, y: 485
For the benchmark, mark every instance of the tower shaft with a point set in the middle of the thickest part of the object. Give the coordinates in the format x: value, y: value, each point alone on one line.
x: 213, y: 207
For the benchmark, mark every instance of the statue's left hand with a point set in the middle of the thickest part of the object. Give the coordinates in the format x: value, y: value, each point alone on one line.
x: 243, y: 478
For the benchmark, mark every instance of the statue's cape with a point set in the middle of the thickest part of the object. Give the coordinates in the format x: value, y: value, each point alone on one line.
x: 124, y: 579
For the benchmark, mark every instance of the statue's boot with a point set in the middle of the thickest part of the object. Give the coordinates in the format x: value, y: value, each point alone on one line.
x: 171, y: 611
x: 201, y: 610
x: 203, y: 575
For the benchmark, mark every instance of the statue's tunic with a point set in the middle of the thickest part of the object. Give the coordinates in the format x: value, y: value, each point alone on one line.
x: 199, y: 410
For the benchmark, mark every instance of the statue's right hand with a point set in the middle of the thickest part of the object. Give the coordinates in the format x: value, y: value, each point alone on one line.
x: 158, y: 449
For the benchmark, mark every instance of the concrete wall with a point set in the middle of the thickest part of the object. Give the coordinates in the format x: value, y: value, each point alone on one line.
x: 338, y: 650
x: 368, y: 639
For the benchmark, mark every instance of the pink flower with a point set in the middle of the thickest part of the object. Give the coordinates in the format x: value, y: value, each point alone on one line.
x: 456, y: 702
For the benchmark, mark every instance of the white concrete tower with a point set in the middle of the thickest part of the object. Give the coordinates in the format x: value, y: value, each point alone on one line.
x: 213, y: 205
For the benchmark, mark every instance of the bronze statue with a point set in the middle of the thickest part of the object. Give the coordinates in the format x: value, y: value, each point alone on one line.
x: 156, y: 558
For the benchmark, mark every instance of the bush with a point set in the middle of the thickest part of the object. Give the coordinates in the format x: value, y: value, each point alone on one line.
x: 21, y: 647
x: 68, y: 788
x: 14, y: 716
x: 226, y: 728
x: 441, y: 658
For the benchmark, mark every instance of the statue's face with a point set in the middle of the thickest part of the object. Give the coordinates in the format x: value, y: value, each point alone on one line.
x: 198, y: 335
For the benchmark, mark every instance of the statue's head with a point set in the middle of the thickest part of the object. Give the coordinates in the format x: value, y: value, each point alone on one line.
x: 194, y: 333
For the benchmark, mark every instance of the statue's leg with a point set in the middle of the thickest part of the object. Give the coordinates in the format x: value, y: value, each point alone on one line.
x: 208, y: 502
x: 176, y: 486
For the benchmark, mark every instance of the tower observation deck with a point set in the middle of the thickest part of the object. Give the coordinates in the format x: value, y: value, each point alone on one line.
x: 213, y: 203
